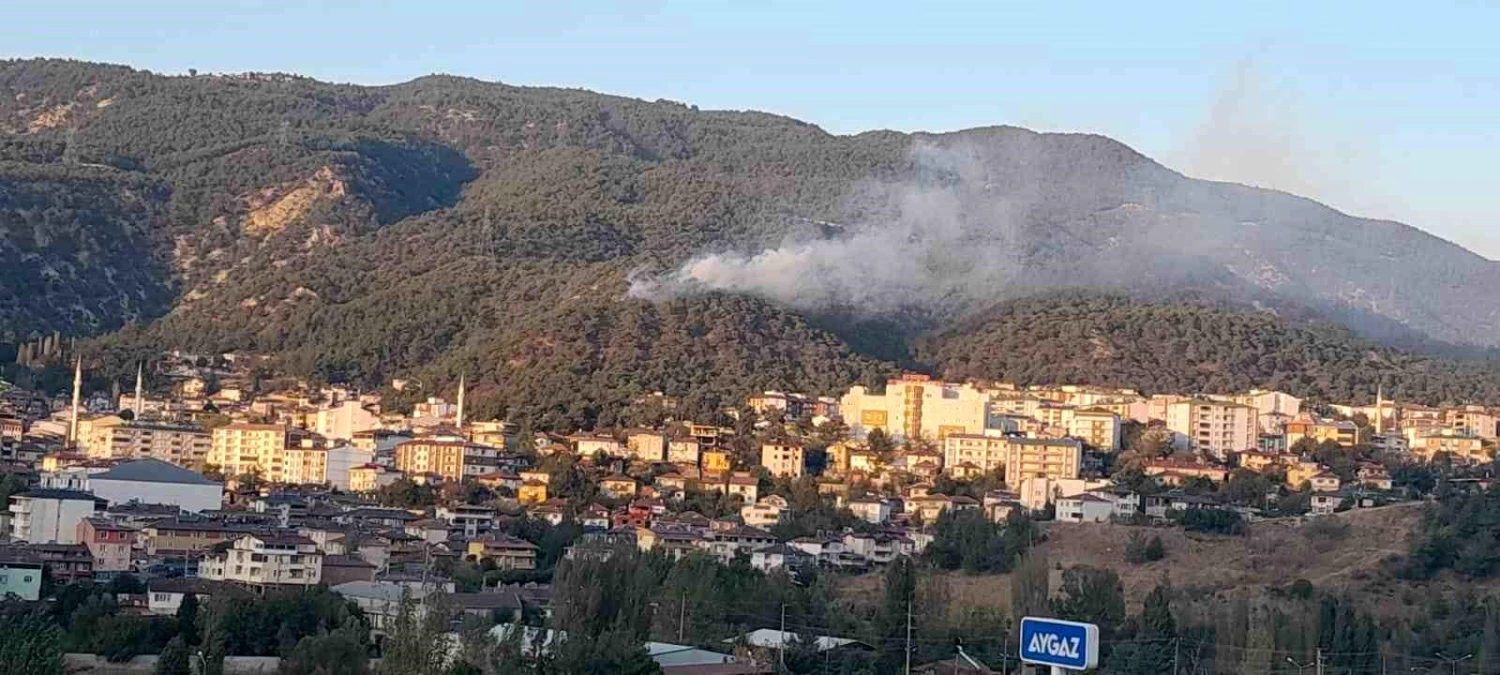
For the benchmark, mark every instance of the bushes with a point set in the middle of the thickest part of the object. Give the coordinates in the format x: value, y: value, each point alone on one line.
x: 1139, y: 550
x: 1210, y: 521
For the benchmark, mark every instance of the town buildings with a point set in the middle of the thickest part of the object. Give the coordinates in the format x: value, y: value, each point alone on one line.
x: 1213, y: 428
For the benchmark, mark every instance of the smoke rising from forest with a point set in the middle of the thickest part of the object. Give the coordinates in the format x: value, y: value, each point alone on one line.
x: 935, y: 242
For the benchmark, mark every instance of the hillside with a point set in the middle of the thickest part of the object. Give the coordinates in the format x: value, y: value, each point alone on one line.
x: 574, y: 251
x: 1191, y: 347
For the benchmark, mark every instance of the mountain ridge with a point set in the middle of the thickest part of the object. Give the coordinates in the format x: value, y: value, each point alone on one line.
x: 448, y: 225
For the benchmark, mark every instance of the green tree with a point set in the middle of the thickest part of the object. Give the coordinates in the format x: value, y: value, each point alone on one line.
x: 187, y: 619
x: 336, y: 653
x: 30, y: 645
x: 1092, y: 595
x: 900, y: 593
x: 418, y: 642
x: 174, y: 658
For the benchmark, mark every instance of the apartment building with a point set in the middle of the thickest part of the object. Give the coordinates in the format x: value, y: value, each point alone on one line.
x: 1214, y: 428
x: 305, y: 466
x: 646, y: 445
x: 1052, y: 458
x: 1472, y: 421
x: 1019, y: 457
x: 344, y: 420
x: 108, y: 542
x: 1319, y: 429
x: 783, y: 460
x: 265, y: 560
x: 452, y: 459
x: 1461, y: 448
x: 251, y: 448
x: 50, y: 516
x: 1097, y: 428
x: 916, y: 406
x: 114, y: 438
x: 371, y: 477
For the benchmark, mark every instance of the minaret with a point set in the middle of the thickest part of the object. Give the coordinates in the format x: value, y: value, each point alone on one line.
x: 139, y: 367
x: 77, y: 394
x: 460, y: 424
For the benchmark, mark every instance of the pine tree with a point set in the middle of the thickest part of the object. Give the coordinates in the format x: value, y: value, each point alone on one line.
x: 187, y: 619
x: 900, y: 589
x: 30, y: 644
x: 174, y: 658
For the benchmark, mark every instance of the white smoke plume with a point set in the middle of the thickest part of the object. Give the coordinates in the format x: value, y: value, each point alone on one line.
x: 936, y: 243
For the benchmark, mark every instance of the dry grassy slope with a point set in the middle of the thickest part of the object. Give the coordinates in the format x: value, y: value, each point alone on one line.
x: 1273, y: 553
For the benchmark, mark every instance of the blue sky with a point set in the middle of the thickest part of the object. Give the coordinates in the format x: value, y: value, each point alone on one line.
x: 1381, y: 109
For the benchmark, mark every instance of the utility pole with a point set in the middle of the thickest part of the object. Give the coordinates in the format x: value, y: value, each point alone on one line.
x: 682, y: 618
x: 781, y: 643
x: 1319, y: 654
x: 1176, y: 644
x: 909, y: 601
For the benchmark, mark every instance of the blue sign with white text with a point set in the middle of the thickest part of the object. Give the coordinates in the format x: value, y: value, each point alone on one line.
x: 1065, y: 644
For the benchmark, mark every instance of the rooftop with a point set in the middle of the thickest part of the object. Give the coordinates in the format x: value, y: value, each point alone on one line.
x: 153, y: 471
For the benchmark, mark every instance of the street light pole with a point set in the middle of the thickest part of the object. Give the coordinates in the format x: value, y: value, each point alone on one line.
x: 1452, y: 662
x: 1301, y: 667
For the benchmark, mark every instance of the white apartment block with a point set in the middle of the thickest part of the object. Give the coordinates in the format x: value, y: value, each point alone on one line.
x: 1214, y: 428
x: 916, y: 406
x: 1020, y: 457
x: 265, y: 560
x: 49, y: 516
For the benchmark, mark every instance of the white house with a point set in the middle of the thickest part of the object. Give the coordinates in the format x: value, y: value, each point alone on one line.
x: 766, y: 512
x: 152, y: 481
x: 871, y: 510
x: 49, y: 515
x: 1084, y: 508
x: 779, y: 556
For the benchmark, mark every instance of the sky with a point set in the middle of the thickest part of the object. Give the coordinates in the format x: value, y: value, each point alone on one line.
x: 1380, y: 109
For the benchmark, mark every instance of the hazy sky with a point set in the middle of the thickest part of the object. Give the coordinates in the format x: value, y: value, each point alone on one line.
x: 1381, y: 109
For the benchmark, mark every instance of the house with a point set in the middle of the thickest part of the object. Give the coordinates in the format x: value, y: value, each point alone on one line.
x: 1303, y: 472
x: 49, y: 515
x: 1085, y: 508
x: 778, y: 556
x: 594, y: 517
x: 273, y: 559
x: 871, y: 510
x: 340, y: 569
x: 1258, y: 461
x: 1185, y: 469
x: 618, y: 486
x: 109, y: 543
x: 878, y: 547
x: 153, y: 481
x: 1374, y: 476
x: 164, y: 596
x: 1324, y: 482
x: 928, y: 507
x: 20, y: 575
x: 783, y: 459
x: 726, y: 544
x: 1324, y: 503
x: 508, y: 553
x: 176, y: 536
x: 766, y: 512
x: 469, y: 519
x: 717, y: 461
x: 765, y: 644
x: 65, y: 563
x: 532, y: 492
x: 590, y: 445
x: 744, y: 485
x: 646, y: 445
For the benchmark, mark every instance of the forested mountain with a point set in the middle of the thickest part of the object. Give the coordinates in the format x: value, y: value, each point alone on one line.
x: 447, y: 225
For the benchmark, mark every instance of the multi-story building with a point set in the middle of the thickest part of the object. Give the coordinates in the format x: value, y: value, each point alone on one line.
x: 1462, y: 449
x: 1052, y: 458
x: 342, y: 421
x: 1099, y: 429
x: 340, y: 459
x: 114, y: 438
x: 1019, y: 457
x: 265, y: 560
x: 916, y: 406
x: 108, y: 542
x: 452, y: 459
x: 508, y: 553
x: 1319, y: 429
x: 1214, y: 428
x: 683, y: 450
x: 305, y: 466
x: 783, y: 459
x: 371, y: 477
x: 1472, y: 420
x: 50, y: 516
x: 245, y: 448
x: 152, y: 481
x: 645, y: 445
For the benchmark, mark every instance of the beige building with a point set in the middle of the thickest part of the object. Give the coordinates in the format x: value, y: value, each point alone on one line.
x: 305, y: 466
x: 646, y: 445
x: 1020, y: 457
x: 451, y: 459
x: 1215, y: 428
x: 114, y: 438
x: 371, y: 477
x: 1472, y: 421
x: 265, y: 560
x: 915, y: 406
x: 1099, y: 429
x: 1462, y: 449
x: 783, y: 459
x: 250, y: 448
